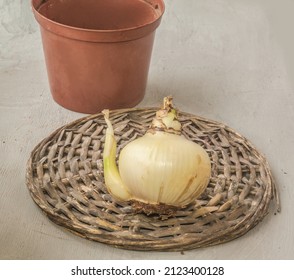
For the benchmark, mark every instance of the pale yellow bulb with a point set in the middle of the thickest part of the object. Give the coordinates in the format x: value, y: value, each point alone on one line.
x: 164, y: 168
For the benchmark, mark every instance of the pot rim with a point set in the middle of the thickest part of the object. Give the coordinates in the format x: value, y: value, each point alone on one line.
x: 106, y: 35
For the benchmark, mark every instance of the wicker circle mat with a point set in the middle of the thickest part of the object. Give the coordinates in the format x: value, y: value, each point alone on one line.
x: 65, y: 179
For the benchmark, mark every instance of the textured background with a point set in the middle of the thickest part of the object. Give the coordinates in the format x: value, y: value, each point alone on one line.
x: 227, y: 60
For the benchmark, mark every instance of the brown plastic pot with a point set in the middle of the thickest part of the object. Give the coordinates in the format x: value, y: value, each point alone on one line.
x: 97, y: 52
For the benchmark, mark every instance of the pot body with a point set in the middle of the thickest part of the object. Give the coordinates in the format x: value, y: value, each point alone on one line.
x: 97, y: 52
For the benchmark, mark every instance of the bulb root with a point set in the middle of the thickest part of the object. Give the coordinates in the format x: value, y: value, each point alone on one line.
x: 161, y: 209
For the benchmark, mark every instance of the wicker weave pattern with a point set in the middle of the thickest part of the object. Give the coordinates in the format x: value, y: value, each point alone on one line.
x: 65, y: 179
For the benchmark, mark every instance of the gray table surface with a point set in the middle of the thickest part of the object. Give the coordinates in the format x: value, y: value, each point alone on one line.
x: 225, y: 60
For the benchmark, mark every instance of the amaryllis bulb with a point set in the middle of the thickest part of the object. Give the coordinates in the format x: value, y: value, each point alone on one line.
x: 161, y: 168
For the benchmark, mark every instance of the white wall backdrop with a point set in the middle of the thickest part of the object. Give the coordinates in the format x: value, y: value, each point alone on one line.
x: 16, y: 17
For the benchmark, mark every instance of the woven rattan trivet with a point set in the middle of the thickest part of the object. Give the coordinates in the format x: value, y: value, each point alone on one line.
x: 65, y: 179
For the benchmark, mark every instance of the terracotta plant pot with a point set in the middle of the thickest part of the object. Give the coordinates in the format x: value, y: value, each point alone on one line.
x: 97, y: 52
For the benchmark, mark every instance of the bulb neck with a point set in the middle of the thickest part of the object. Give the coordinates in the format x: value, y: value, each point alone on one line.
x: 166, y: 119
